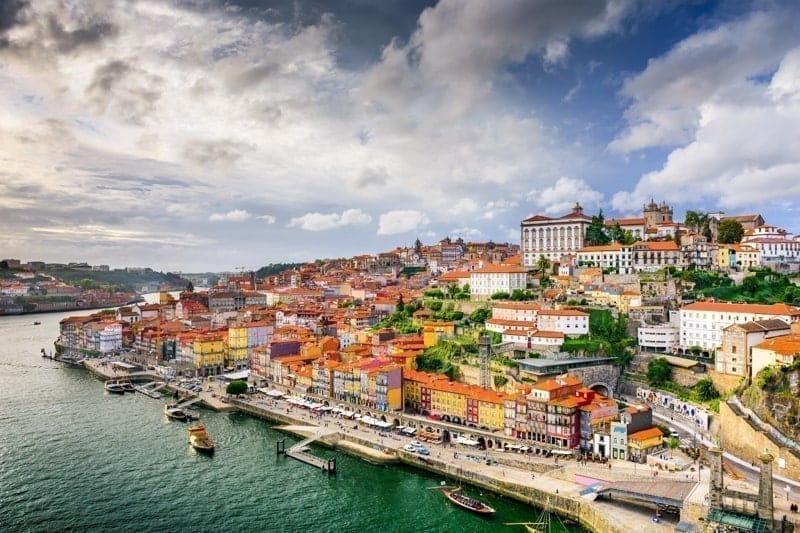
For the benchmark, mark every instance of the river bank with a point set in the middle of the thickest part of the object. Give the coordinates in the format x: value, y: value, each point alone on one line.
x: 528, y: 483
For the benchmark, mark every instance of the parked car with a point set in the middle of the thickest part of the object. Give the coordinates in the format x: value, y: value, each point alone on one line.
x: 410, y: 448
x: 422, y: 450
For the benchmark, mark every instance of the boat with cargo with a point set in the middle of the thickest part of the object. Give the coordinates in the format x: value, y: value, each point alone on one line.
x: 455, y: 495
x: 200, y: 440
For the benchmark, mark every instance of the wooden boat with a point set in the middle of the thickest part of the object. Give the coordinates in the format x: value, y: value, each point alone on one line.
x: 174, y: 412
x: 127, y: 386
x: 200, y: 439
x: 462, y: 500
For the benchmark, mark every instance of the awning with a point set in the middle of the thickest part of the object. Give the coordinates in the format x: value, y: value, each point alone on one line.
x: 561, y: 452
x: 466, y: 442
x: 410, y: 431
x: 236, y: 376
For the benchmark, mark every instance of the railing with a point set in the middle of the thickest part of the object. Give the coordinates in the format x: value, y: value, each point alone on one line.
x: 767, y: 428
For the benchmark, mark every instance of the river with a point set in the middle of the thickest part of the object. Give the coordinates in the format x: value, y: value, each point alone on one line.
x: 75, y: 458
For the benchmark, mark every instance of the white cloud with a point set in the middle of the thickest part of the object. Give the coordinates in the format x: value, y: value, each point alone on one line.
x: 237, y: 215
x: 467, y: 233
x: 328, y: 221
x: 401, y: 221
x: 497, y: 207
x: 744, y: 151
x: 463, y: 207
x: 667, y: 96
x: 269, y: 219
x: 560, y: 197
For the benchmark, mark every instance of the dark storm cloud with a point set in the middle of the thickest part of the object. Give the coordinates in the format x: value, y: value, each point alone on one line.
x: 11, y: 13
x: 92, y: 33
x: 222, y: 152
x: 128, y: 91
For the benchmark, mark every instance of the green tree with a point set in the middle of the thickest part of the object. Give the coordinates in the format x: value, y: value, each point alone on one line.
x: 434, y: 293
x: 622, y: 236
x: 500, y: 295
x: 706, y: 391
x: 596, y: 232
x: 730, y: 232
x: 435, y: 305
x: 672, y: 444
x: 543, y: 264
x: 658, y: 371
x: 480, y: 315
x: 401, y: 306
x: 236, y: 387
x: 499, y: 381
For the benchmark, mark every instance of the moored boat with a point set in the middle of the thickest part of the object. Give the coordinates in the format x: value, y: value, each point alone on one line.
x: 127, y: 386
x: 114, y: 386
x: 174, y: 412
x: 462, y: 500
x: 200, y: 440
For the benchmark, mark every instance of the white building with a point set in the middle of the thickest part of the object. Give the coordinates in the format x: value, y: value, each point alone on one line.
x: 773, y: 243
x: 567, y: 321
x: 702, y: 322
x: 781, y: 351
x: 613, y: 256
x: 492, y: 278
x: 659, y: 337
x: 552, y: 237
x: 519, y: 311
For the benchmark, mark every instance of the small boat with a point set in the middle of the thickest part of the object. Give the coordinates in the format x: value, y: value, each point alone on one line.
x: 471, y: 504
x: 174, y: 412
x: 114, y: 387
x: 127, y: 386
x: 200, y: 439
x: 37, y: 323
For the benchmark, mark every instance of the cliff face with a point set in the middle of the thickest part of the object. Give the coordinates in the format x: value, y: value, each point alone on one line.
x: 775, y: 398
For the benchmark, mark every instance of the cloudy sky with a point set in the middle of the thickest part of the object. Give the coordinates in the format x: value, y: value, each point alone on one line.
x: 209, y: 135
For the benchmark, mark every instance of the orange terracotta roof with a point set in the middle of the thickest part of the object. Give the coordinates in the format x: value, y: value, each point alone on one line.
x: 562, y: 312
x: 783, y: 344
x: 500, y: 269
x: 645, y: 434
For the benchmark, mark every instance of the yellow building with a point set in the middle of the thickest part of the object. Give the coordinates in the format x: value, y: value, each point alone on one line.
x: 491, y: 409
x: 433, y: 331
x: 237, y: 353
x: 644, y: 442
x: 209, y: 353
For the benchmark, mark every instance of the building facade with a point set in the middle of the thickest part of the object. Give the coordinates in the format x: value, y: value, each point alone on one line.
x: 552, y: 237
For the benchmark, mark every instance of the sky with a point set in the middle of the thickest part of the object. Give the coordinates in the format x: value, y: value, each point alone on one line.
x: 210, y: 135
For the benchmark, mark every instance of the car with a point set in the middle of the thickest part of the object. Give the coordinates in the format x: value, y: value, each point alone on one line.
x: 410, y: 448
x: 674, y: 433
x: 422, y: 450
x: 416, y: 443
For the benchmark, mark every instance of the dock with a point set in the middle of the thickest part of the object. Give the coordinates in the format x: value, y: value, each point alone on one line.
x: 151, y: 389
x: 298, y: 452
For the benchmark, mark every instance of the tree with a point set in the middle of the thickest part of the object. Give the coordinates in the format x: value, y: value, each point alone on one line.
x: 543, y: 264
x: 236, y: 387
x: 706, y: 390
x: 500, y: 295
x: 730, y: 232
x: 622, y: 236
x: 658, y: 371
x: 401, y: 306
x: 480, y: 315
x: 672, y: 443
x: 499, y: 381
x: 596, y: 232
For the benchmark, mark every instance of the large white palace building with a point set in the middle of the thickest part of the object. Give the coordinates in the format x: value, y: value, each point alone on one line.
x: 553, y: 237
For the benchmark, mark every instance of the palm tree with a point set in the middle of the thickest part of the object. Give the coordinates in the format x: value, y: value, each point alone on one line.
x: 672, y: 443
x: 543, y: 264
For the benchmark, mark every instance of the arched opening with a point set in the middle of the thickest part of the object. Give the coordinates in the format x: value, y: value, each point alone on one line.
x: 457, y: 420
x: 602, y: 389
x: 446, y: 418
x: 445, y: 436
x: 481, y: 443
x: 383, y: 419
x: 490, y: 444
x: 396, y: 422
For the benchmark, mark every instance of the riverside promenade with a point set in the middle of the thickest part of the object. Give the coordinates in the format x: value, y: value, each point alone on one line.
x: 541, y: 482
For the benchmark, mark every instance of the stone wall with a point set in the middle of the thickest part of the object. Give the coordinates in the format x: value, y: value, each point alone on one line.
x: 606, y: 374
x: 739, y: 437
x: 724, y: 383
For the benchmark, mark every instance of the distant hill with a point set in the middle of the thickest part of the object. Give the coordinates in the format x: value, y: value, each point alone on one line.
x: 121, y: 280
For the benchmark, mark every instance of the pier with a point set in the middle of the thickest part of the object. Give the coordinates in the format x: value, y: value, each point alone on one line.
x: 298, y: 451
x: 151, y: 389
